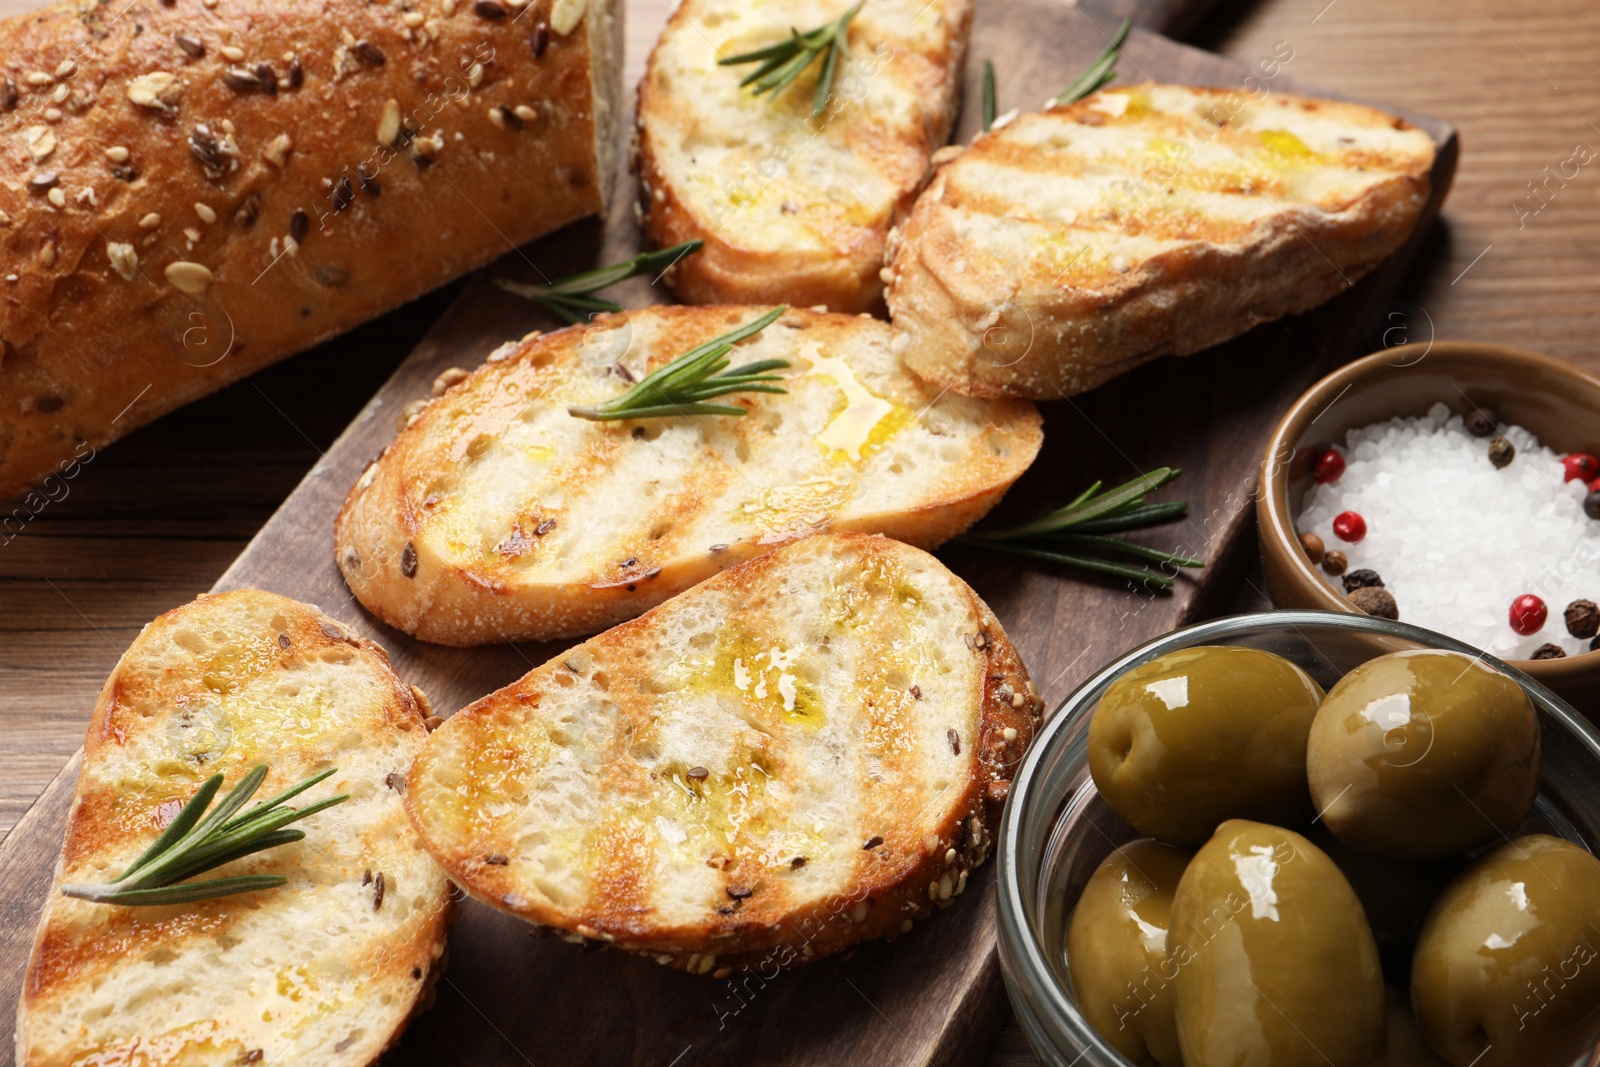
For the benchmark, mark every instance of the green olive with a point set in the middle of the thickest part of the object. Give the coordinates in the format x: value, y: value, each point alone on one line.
x: 1202, y: 735
x: 1416, y: 755
x: 1117, y: 950
x: 1396, y: 895
x: 1507, y: 970
x: 1275, y: 962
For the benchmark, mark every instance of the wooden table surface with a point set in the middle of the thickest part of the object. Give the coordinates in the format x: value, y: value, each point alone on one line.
x: 155, y: 519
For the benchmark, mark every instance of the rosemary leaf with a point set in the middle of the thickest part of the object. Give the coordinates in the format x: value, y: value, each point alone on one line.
x: 186, y: 893
x: 1085, y: 495
x: 288, y: 794
x: 1088, y: 506
x: 779, y: 64
x: 1135, y: 518
x: 1088, y: 563
x: 185, y: 820
x: 698, y: 375
x: 197, y: 841
x: 1099, y: 73
x: 990, y: 104
x: 572, y: 297
x: 1076, y: 535
x: 1128, y: 548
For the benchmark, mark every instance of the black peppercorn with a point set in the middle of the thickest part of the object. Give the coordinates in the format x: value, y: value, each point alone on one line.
x: 1594, y: 646
x: 1480, y: 422
x: 1501, y: 451
x: 1314, y: 548
x: 1591, y: 505
x: 1548, y: 652
x: 1375, y: 600
x: 1362, y: 579
x: 1335, y: 562
x: 1583, y: 619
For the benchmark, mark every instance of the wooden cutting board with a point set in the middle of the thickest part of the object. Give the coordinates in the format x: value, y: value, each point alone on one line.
x: 936, y: 995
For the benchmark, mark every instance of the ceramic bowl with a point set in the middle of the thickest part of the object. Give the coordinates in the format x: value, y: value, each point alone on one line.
x: 1557, y: 402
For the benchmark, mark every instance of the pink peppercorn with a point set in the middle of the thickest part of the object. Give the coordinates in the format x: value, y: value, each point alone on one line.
x: 1349, y: 526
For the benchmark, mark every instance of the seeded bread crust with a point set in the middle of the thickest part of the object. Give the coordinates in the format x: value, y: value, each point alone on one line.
x: 793, y: 209
x: 1073, y: 244
x: 192, y: 190
x: 651, y: 791
x: 495, y: 514
x: 220, y: 685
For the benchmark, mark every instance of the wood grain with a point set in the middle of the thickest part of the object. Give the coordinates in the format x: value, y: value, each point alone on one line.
x: 934, y: 996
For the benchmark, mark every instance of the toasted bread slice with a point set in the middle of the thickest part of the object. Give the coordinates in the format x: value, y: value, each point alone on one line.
x: 793, y: 209
x: 497, y: 515
x: 801, y: 753
x: 1074, y: 244
x: 320, y: 970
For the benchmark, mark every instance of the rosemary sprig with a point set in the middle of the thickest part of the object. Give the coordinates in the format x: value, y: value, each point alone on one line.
x: 680, y: 387
x: 572, y: 297
x: 1099, y: 73
x: 1077, y: 535
x: 781, y: 63
x: 191, y: 845
x: 990, y: 103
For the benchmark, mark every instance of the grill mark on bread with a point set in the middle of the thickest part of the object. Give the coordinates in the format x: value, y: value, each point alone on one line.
x: 622, y: 887
x: 64, y: 959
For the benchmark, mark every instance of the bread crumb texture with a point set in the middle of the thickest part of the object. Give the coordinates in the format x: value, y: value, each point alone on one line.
x: 796, y: 755
x: 1072, y: 244
x: 322, y: 970
x: 497, y: 514
x: 793, y: 206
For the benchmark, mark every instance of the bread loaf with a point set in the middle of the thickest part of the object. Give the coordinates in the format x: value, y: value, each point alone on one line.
x: 191, y: 189
x: 325, y: 969
x: 793, y: 207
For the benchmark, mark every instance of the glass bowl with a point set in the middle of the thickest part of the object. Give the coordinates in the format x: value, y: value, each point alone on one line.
x: 1056, y: 829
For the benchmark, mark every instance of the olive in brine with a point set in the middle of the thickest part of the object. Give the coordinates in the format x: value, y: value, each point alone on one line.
x: 1117, y: 950
x: 1507, y: 970
x: 1202, y: 735
x: 1416, y: 755
x: 1275, y: 963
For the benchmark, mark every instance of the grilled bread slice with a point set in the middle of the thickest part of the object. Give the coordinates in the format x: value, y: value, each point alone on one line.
x: 801, y: 753
x: 326, y: 969
x: 497, y: 515
x: 793, y: 208
x: 1074, y: 244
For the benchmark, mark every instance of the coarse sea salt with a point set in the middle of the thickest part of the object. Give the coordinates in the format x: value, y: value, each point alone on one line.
x: 1457, y: 540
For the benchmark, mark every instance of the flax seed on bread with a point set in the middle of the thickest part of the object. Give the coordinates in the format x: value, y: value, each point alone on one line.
x: 798, y: 754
